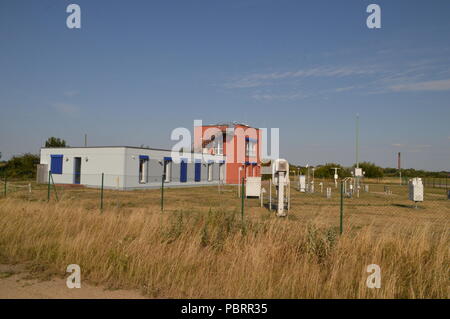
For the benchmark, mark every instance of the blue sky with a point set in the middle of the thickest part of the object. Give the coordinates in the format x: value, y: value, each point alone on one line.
x: 138, y: 69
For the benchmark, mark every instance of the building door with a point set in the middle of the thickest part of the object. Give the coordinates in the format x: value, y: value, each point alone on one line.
x: 183, y: 172
x: 77, y: 170
x: 198, y: 171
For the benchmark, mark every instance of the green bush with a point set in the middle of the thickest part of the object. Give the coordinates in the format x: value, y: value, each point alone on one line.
x: 371, y: 170
x: 327, y: 171
x: 22, y: 167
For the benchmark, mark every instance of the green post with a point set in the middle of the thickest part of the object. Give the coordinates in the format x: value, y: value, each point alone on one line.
x: 101, y: 194
x: 163, y: 178
x: 242, y: 200
x: 54, y: 187
x: 48, y: 188
x: 6, y: 181
x: 341, y: 226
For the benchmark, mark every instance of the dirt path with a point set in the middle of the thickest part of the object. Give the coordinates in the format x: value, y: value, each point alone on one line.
x: 15, y: 283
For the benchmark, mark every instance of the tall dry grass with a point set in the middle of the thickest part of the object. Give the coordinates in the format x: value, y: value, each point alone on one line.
x: 193, y: 254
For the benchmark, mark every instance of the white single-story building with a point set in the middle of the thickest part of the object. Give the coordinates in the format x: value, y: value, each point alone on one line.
x: 126, y: 167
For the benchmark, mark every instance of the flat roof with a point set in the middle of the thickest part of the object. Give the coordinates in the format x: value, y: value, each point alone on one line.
x: 135, y: 147
x: 233, y: 124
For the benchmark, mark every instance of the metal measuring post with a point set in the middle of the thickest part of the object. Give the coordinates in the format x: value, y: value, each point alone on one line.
x: 163, y: 178
x: 242, y: 200
x: 6, y: 181
x: 54, y: 187
x: 101, y: 193
x: 341, y: 210
x: 48, y: 188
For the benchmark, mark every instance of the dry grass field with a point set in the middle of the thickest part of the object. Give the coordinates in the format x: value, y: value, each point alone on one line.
x: 199, y: 247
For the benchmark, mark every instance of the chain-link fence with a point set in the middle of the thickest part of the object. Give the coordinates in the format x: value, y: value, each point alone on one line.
x: 107, y: 190
x: 343, y: 205
x: 349, y: 204
x: 431, y: 182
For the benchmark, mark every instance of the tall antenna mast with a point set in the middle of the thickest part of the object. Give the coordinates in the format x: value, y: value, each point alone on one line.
x: 357, y: 140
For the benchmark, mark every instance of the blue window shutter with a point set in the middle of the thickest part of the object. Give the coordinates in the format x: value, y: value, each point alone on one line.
x: 198, y: 171
x: 167, y: 158
x: 56, y: 164
x: 143, y: 157
x: 183, y: 174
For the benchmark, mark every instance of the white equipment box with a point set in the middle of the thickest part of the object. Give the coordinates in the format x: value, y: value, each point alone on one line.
x: 416, y: 190
x: 302, y: 182
x: 253, y: 187
x: 280, y: 178
x: 358, y: 172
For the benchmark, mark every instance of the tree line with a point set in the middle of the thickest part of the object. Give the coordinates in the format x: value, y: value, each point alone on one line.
x: 24, y: 166
x: 370, y: 169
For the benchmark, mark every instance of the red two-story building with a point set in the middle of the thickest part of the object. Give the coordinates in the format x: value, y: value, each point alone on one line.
x: 239, y: 143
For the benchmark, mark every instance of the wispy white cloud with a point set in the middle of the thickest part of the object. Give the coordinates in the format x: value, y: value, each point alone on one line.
x: 243, y: 84
x: 272, y: 97
x: 439, y: 85
x: 348, y: 88
x: 262, y: 79
x: 363, y: 77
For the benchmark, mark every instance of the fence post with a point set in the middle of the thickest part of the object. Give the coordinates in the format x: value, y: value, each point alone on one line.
x: 341, y: 230
x: 270, y: 195
x: 162, y: 191
x: 101, y: 194
x: 6, y: 181
x: 48, y: 188
x: 242, y: 200
x: 54, y: 187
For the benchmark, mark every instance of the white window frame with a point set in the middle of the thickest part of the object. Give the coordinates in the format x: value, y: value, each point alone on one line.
x: 143, y: 174
x: 209, y: 172
x: 221, y: 171
x: 168, y: 171
x: 250, y: 148
x: 219, y: 147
